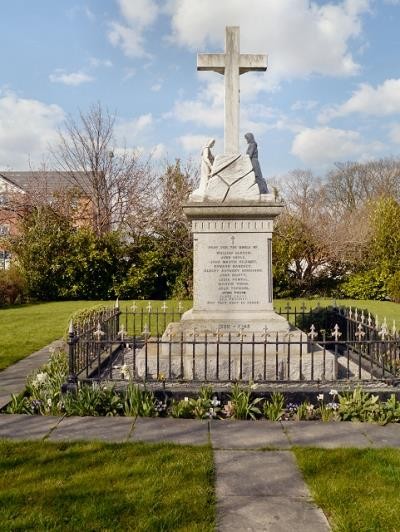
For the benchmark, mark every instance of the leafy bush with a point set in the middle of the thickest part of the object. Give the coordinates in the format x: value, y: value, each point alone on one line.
x: 370, y: 284
x: 359, y: 406
x: 92, y: 400
x: 12, y: 286
x: 393, y: 287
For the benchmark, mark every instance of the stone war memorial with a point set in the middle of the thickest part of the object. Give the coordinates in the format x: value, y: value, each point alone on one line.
x: 232, y: 216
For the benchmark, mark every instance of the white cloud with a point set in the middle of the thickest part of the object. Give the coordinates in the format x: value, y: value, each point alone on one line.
x: 380, y: 101
x: 137, y: 15
x: 394, y: 133
x: 158, y: 151
x: 27, y: 127
x: 129, y: 73
x: 156, y: 87
x: 77, y: 11
x: 304, y: 105
x: 193, y: 143
x: 96, y: 62
x: 300, y: 37
x: 322, y: 146
x: 73, y: 78
x: 131, y: 131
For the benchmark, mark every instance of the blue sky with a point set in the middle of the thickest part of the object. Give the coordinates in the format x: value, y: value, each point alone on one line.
x: 331, y: 92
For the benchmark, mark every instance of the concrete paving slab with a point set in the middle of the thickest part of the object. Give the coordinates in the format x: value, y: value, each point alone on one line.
x: 13, y: 378
x: 236, y: 434
x: 25, y: 427
x: 182, y: 431
x: 114, y: 429
x: 231, y: 434
x: 387, y: 436
x: 326, y: 435
x: 271, y: 514
x: 258, y: 473
x: 263, y: 491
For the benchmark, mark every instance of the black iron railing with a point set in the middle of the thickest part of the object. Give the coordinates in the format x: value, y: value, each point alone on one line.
x: 336, y: 344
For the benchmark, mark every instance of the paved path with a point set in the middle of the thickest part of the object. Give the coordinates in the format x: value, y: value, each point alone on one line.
x: 251, y: 457
x: 13, y: 378
x: 259, y: 491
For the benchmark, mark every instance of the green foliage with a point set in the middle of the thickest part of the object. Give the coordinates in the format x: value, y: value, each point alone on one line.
x: 359, y: 406
x: 43, y: 389
x: 385, y: 245
x: 393, y: 286
x: 369, y: 284
x: 42, y: 250
x: 242, y: 406
x: 137, y: 402
x: 60, y: 261
x: 19, y: 404
x: 93, y: 265
x: 92, y: 400
x: 205, y: 406
x: 12, y: 286
x: 390, y: 411
x: 305, y: 411
x: 85, y: 316
x: 275, y: 407
x: 149, y: 275
x: 379, y: 277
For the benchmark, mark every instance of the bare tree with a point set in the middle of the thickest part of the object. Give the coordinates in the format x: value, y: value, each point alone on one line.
x: 351, y: 184
x: 110, y: 182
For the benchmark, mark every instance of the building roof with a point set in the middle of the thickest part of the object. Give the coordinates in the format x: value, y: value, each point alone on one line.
x: 52, y: 181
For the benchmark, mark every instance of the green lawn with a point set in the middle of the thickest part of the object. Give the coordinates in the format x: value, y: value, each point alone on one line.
x: 384, y: 309
x: 27, y: 328
x: 97, y: 486
x: 357, y: 489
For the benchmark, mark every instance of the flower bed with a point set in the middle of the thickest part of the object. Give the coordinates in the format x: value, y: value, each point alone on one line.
x: 43, y: 396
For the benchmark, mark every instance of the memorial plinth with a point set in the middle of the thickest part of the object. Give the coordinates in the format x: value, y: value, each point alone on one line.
x: 232, y: 267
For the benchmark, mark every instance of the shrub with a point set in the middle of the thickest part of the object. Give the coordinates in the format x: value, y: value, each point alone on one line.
x: 12, y: 286
x: 370, y: 284
x: 359, y: 406
x: 393, y: 286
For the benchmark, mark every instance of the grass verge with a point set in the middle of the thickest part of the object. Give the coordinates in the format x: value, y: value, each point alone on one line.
x: 27, y: 328
x: 98, y: 486
x: 357, y: 489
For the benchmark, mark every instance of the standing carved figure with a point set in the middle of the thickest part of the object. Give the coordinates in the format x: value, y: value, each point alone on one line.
x: 252, y: 152
x: 207, y: 160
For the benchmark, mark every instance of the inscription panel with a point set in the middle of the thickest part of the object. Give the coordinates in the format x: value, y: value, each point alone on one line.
x: 231, y: 271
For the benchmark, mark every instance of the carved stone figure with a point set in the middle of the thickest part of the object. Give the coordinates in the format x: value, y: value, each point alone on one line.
x: 207, y: 160
x: 252, y: 152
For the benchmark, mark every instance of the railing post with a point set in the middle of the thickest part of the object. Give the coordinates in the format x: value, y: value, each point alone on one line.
x: 117, y: 315
x: 72, y: 382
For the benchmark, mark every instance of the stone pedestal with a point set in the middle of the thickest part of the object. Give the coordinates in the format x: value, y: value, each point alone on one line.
x: 232, y: 267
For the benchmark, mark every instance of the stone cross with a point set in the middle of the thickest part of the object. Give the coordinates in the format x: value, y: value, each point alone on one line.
x: 231, y: 65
